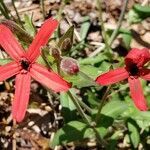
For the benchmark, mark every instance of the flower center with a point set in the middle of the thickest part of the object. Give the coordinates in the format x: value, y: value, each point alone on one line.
x: 133, y: 70
x: 25, y: 64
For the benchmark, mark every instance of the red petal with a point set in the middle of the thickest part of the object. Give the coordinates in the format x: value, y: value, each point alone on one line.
x: 21, y: 98
x: 138, y: 57
x: 137, y: 93
x: 8, y: 70
x: 41, y: 38
x: 10, y: 44
x: 48, y: 78
x: 145, y: 74
x: 112, y: 76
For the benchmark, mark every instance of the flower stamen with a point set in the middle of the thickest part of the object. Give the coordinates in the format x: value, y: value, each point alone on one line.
x: 25, y: 64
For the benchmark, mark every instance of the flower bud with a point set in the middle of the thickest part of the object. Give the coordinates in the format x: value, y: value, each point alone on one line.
x: 69, y: 65
x: 56, y: 53
x: 66, y: 45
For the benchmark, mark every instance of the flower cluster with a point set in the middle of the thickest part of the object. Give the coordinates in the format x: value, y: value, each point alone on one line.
x: 133, y: 70
x: 25, y: 67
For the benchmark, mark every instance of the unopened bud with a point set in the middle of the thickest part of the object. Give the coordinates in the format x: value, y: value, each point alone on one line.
x: 66, y: 45
x: 56, y: 53
x: 69, y: 65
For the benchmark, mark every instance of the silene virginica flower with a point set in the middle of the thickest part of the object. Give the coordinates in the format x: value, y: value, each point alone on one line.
x: 134, y: 68
x: 25, y: 67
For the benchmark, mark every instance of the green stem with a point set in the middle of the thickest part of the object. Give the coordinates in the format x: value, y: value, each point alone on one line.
x: 101, y: 104
x: 43, y: 8
x: 3, y: 10
x: 83, y: 115
x: 60, y: 11
x: 115, y: 32
x: 81, y: 112
x: 19, y: 19
x: 99, y: 6
x: 83, y: 105
x: 117, y: 91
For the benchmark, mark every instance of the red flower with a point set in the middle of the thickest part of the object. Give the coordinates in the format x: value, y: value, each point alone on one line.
x: 134, y: 69
x: 25, y: 67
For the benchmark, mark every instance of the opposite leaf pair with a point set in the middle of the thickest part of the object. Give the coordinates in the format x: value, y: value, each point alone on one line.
x: 134, y: 68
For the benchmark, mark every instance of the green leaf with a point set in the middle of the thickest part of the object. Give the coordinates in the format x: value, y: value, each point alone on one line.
x: 68, y: 108
x: 29, y: 26
x: 138, y: 13
x: 142, y: 10
x: 92, y: 99
x: 114, y: 108
x: 133, y: 132
x: 93, y: 60
x: 80, y: 80
x: 72, y: 131
x: 112, y: 145
x: 126, y: 40
x: 133, y: 17
x: 84, y: 28
x: 5, y: 61
x: 66, y: 41
x: 103, y: 124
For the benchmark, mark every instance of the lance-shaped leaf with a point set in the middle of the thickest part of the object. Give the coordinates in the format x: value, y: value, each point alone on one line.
x: 84, y: 28
x: 29, y: 26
